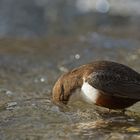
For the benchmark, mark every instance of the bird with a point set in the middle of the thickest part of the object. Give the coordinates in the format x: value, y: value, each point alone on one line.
x: 103, y: 83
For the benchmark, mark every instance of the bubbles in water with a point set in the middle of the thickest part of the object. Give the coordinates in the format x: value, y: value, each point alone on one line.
x: 102, y: 6
x: 77, y: 56
x: 42, y: 79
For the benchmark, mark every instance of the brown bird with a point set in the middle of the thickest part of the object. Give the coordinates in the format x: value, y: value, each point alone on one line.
x: 104, y: 83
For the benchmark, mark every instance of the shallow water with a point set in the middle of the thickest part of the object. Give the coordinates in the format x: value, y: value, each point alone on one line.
x: 28, y: 70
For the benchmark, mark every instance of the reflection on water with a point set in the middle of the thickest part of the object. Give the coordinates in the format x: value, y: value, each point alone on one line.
x: 28, y: 70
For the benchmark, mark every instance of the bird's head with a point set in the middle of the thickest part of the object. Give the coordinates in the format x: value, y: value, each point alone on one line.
x: 65, y: 87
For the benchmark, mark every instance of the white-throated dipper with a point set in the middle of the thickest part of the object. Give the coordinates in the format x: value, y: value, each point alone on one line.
x: 104, y: 83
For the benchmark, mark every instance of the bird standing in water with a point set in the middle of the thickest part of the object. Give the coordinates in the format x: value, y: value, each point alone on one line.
x: 103, y: 83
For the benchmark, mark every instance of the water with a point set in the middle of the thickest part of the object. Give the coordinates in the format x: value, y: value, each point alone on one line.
x: 28, y: 70
x: 40, y: 40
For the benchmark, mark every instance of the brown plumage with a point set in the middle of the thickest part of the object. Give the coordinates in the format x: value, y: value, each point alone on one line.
x: 118, y: 85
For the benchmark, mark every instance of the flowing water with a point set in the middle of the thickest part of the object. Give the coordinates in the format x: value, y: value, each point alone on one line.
x: 39, y: 41
x: 28, y: 70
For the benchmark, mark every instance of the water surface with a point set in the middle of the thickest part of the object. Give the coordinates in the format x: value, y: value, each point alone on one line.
x: 28, y: 70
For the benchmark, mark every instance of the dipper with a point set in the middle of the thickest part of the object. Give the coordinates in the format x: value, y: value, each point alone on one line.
x: 103, y: 83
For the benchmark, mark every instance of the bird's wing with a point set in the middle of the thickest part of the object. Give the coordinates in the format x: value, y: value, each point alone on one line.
x: 115, y: 84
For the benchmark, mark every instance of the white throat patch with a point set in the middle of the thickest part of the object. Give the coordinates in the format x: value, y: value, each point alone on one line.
x: 89, y: 93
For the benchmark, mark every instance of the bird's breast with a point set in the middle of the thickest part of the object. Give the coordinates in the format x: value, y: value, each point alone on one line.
x: 89, y: 93
x: 92, y: 95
